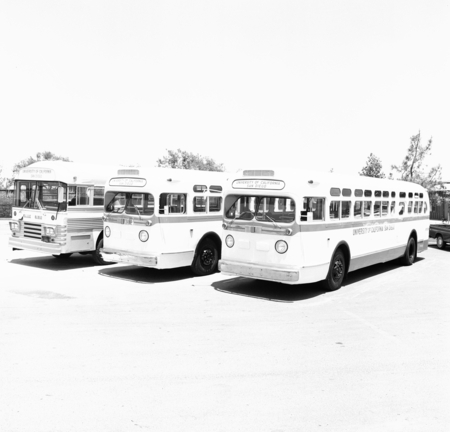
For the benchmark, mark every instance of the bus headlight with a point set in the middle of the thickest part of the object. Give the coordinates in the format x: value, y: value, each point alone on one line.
x: 49, y: 231
x: 107, y: 231
x: 143, y: 236
x: 281, y: 246
x: 14, y: 226
x: 229, y: 241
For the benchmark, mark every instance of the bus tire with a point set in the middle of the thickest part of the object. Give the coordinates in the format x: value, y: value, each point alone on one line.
x: 440, y: 242
x: 63, y: 256
x: 336, y: 272
x: 206, y: 258
x: 96, y: 254
x: 410, y: 252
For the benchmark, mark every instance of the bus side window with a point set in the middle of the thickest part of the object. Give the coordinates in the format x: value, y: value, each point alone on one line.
x: 215, y: 204
x: 199, y: 204
x: 410, y: 206
x: 99, y: 196
x: 312, y: 209
x: 72, y: 195
x: 357, y: 210
x: 401, y: 208
x: 377, y: 208
x: 170, y: 203
x: 346, y: 207
x: 392, y: 207
x: 82, y: 195
x: 367, y: 208
x: 334, y: 209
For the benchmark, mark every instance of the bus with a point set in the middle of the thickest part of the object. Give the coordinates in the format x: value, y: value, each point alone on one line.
x: 164, y: 218
x: 58, y: 209
x: 298, y: 227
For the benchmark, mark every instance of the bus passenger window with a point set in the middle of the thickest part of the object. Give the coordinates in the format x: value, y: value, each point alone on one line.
x: 99, y: 198
x: 346, y: 206
x: 215, y: 204
x: 416, y: 207
x: 357, y: 210
x: 367, y: 208
x: 377, y: 208
x: 312, y: 209
x: 420, y: 206
x: 72, y: 195
x: 410, y: 206
x: 334, y: 209
x: 392, y: 207
x: 384, y: 208
x: 82, y: 195
x: 401, y: 208
x: 170, y: 203
x: 199, y: 204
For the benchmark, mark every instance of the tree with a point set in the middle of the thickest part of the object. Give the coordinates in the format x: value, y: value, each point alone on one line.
x: 412, y: 168
x: 184, y: 160
x: 373, y: 167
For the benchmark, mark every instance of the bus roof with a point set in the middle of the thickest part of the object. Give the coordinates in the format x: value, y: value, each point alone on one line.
x: 157, y: 176
x: 67, y: 172
x: 315, y: 180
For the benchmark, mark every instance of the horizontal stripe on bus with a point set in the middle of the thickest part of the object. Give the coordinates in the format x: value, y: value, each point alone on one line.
x: 162, y: 219
x: 328, y: 226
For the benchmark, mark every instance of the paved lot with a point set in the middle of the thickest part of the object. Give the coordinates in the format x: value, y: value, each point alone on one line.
x: 122, y: 348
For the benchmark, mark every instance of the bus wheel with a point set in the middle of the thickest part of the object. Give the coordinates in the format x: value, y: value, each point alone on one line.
x: 410, y: 253
x: 63, y: 256
x: 96, y: 254
x: 440, y: 242
x: 206, y: 259
x: 336, y: 272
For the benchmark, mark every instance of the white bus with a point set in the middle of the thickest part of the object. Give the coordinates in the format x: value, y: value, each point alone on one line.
x: 58, y: 208
x: 164, y: 218
x: 303, y: 227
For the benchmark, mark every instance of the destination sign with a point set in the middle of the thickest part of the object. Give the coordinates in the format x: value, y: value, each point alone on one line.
x: 128, y: 181
x: 258, y: 184
x: 36, y: 172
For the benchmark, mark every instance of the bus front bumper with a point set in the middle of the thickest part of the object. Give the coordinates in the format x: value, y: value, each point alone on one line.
x: 35, y: 245
x: 231, y: 268
x: 114, y: 256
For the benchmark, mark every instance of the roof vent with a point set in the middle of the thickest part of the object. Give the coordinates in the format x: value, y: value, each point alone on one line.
x: 259, y: 173
x: 128, y: 172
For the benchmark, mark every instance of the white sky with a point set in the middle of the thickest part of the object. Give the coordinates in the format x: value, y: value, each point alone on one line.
x: 309, y: 84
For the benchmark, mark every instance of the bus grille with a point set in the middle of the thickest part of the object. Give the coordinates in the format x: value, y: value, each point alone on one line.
x: 32, y: 230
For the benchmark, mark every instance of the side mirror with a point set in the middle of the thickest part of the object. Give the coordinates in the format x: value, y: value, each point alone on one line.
x: 61, y: 191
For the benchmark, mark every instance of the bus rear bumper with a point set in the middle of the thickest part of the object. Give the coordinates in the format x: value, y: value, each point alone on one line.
x: 231, y: 268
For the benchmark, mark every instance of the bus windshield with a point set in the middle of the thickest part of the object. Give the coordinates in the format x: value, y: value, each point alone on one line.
x: 129, y: 203
x: 263, y: 209
x: 39, y: 195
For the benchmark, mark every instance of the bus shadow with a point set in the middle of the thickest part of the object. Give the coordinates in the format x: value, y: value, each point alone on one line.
x: 271, y: 291
x: 278, y: 292
x: 56, y: 264
x: 374, y: 270
x: 146, y: 275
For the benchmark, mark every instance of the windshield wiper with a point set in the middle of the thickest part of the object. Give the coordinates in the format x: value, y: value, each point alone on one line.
x: 271, y: 220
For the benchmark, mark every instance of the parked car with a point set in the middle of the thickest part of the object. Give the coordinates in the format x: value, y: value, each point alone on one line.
x: 440, y: 232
